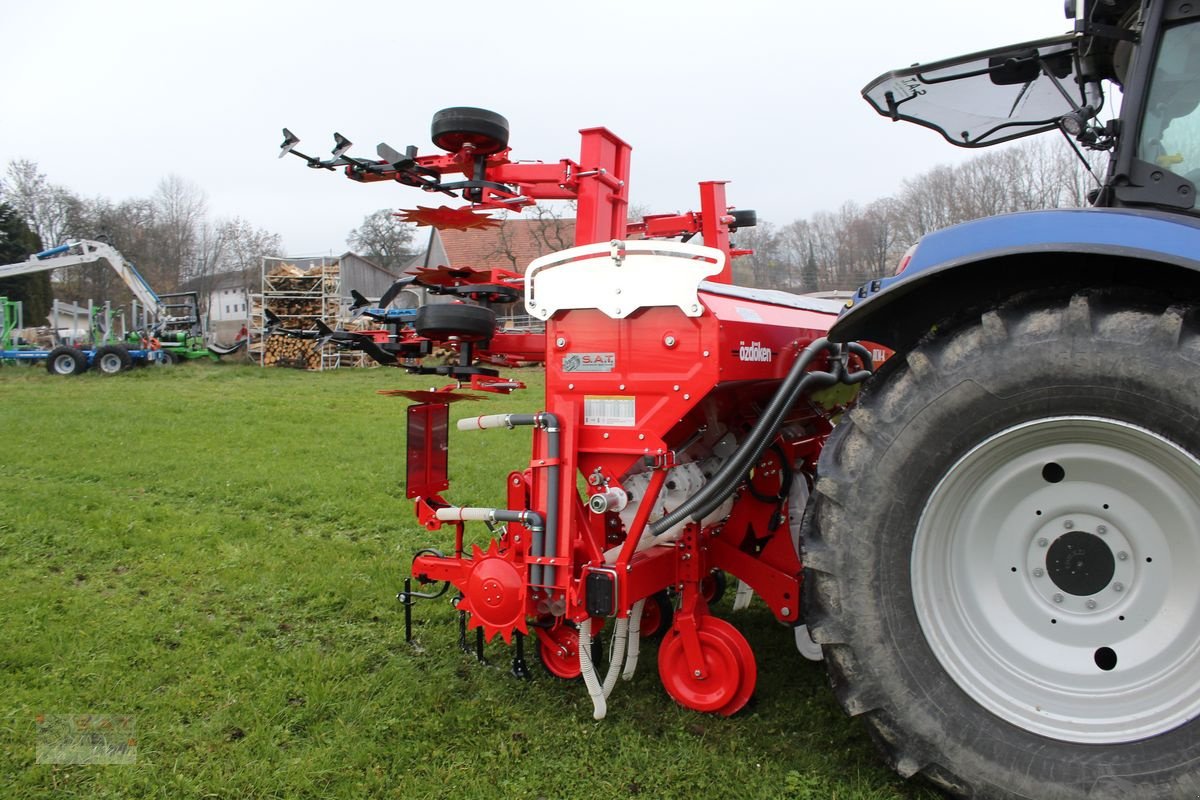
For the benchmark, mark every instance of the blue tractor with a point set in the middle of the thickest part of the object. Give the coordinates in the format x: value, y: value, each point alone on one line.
x: 1002, y: 549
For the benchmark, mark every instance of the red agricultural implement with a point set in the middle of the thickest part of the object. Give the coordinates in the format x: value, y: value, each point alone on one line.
x: 693, y: 410
x: 1000, y: 538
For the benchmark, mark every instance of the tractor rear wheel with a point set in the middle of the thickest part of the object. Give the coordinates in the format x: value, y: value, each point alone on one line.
x: 65, y: 360
x: 1001, y: 551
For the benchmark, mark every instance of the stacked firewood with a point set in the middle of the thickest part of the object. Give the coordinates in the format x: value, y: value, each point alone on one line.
x: 283, y: 351
x: 299, y: 298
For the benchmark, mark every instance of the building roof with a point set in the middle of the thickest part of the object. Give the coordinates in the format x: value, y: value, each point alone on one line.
x: 511, y: 245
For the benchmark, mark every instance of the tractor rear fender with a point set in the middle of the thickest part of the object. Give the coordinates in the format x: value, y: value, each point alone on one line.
x: 976, y: 265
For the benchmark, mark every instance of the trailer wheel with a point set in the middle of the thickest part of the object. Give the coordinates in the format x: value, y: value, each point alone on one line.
x: 463, y: 322
x: 111, y: 359
x: 162, y: 358
x: 65, y: 360
x: 1001, y: 554
x: 486, y: 130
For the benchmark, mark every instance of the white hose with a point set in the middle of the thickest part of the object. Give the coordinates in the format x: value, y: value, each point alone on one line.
x: 617, y: 657
x: 461, y: 514
x: 599, y: 706
x: 635, y: 640
x: 483, y: 422
x: 599, y: 693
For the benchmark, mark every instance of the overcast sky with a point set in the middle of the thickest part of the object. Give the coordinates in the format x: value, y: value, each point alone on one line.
x: 109, y: 97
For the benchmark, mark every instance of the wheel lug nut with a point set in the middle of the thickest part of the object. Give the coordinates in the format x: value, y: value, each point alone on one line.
x: 1091, y: 603
x: 1039, y: 572
x: 1068, y: 524
x: 1118, y: 587
x: 1122, y: 556
x: 1101, y: 529
x: 696, y: 673
x: 1058, y: 598
x: 1043, y: 542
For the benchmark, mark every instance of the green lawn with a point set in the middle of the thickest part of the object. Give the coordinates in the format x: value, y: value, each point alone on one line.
x: 215, y: 550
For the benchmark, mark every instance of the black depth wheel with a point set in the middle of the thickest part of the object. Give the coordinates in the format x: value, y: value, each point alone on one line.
x: 111, y: 359
x: 463, y: 322
x: 992, y: 555
x: 743, y: 218
x: 712, y: 586
x: 65, y: 360
x: 658, y: 614
x: 486, y: 130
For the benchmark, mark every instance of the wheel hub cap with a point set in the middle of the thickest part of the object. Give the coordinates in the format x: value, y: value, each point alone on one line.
x: 1080, y: 563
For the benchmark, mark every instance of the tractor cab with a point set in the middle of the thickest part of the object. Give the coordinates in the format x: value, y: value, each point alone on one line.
x: 1150, y: 50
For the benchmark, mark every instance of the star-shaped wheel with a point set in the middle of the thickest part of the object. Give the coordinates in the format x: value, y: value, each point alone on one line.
x: 446, y: 218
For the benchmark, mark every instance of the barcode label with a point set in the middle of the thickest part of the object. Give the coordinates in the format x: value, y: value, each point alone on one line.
x: 616, y: 412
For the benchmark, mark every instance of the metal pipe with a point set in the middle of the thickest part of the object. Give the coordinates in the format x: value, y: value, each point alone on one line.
x: 545, y: 541
x: 530, y: 519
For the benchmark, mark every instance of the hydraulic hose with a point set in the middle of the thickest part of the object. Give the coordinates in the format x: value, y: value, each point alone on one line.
x: 868, y: 365
x: 722, y: 484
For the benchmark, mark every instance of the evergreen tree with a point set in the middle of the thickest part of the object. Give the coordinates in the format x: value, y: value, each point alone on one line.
x: 808, y: 274
x: 18, y: 242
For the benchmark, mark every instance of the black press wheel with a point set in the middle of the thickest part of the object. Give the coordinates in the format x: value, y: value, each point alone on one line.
x: 111, y: 359
x: 66, y: 361
x: 712, y: 586
x: 743, y: 218
x: 1000, y: 554
x: 658, y: 614
x: 485, y: 130
x: 463, y: 322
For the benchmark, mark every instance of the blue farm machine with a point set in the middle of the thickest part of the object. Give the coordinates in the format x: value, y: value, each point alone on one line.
x: 175, y: 332
x: 989, y: 538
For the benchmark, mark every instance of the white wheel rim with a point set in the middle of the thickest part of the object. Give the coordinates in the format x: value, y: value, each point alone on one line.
x: 110, y: 362
x: 1115, y: 655
x: 64, y: 365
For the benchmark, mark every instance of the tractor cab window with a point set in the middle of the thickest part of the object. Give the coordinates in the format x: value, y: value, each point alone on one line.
x: 1170, y: 135
x: 987, y: 97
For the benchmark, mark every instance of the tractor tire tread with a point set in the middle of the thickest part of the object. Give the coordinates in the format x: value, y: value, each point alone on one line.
x: 841, y: 558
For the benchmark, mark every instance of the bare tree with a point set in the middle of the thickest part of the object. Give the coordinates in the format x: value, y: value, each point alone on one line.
x: 383, y: 238
x: 45, y: 207
x: 180, y: 210
x: 554, y: 226
x: 766, y: 267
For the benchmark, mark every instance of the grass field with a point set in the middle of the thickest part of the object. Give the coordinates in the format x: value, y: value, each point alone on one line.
x: 214, y: 550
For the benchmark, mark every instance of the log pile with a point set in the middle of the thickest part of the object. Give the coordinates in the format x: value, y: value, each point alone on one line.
x: 300, y: 297
x: 283, y: 351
